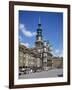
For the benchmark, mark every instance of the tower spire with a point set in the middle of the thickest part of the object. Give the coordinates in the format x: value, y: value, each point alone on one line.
x: 39, y: 40
x: 39, y: 20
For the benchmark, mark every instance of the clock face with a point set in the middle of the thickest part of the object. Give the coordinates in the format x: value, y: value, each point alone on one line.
x: 39, y: 50
x: 45, y: 49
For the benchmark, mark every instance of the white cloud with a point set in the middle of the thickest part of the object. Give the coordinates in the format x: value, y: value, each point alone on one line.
x: 58, y: 52
x: 20, y: 38
x: 25, y: 44
x: 21, y: 26
x: 25, y: 31
x: 61, y: 54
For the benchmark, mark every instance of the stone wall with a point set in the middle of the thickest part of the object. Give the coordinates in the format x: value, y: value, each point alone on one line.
x: 57, y: 63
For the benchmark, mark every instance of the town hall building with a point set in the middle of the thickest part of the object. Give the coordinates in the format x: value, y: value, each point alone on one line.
x: 40, y: 57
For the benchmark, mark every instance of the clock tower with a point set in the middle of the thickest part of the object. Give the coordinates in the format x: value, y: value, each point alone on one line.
x: 39, y: 39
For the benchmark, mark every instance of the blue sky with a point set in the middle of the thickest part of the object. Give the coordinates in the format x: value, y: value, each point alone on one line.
x: 52, y: 28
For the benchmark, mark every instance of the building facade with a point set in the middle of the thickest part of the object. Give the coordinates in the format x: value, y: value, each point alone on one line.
x: 57, y: 62
x: 39, y: 57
